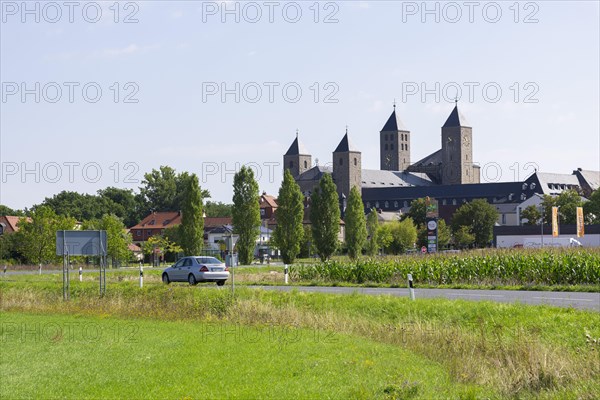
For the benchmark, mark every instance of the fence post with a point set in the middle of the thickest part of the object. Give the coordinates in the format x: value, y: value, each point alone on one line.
x: 80, y: 274
x: 411, y: 290
x: 141, y: 275
x: 285, y: 271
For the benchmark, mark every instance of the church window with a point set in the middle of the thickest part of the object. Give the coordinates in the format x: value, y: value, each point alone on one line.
x: 355, y: 161
x: 391, y: 146
x: 387, y: 204
x: 341, y: 161
x: 305, y: 164
x: 532, y: 186
x: 524, y: 186
x: 376, y: 204
x: 368, y: 204
x: 395, y: 204
x: 453, y: 202
x: 523, y: 196
x: 444, y: 202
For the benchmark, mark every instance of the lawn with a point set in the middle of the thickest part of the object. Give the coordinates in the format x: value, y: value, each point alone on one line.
x: 291, y: 344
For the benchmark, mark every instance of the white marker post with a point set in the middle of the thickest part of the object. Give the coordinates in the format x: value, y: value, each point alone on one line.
x: 80, y: 274
x: 141, y: 275
x: 40, y: 268
x: 411, y: 290
x: 285, y: 272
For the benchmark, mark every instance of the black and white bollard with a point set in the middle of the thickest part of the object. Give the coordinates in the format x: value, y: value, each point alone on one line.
x: 141, y: 275
x: 80, y: 274
x: 411, y: 289
x: 285, y: 273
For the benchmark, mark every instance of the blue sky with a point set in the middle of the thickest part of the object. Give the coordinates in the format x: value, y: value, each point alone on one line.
x: 377, y: 51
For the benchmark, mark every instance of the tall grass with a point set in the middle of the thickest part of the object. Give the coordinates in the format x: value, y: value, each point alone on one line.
x: 511, y: 267
x: 521, y: 351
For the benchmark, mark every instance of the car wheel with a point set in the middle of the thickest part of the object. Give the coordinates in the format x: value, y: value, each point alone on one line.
x: 165, y: 279
x: 220, y: 283
x: 192, y: 279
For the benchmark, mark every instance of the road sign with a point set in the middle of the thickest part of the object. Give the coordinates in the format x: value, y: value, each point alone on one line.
x: 432, y: 235
x: 423, y: 249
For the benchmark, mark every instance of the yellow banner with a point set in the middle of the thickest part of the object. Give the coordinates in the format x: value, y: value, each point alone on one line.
x: 555, y: 221
x: 580, y: 229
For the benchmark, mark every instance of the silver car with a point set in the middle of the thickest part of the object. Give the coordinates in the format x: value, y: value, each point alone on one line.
x: 196, y: 269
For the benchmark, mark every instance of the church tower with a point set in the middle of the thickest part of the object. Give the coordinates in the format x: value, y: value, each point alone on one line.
x: 394, y: 145
x: 297, y: 159
x: 457, y: 151
x: 347, y: 167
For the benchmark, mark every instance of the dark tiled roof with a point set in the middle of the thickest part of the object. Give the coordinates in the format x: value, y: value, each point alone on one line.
x: 432, y: 159
x: 394, y: 124
x: 468, y: 191
x: 456, y: 119
x: 297, y: 148
x: 314, y: 174
x: 381, y: 178
x: 345, y: 145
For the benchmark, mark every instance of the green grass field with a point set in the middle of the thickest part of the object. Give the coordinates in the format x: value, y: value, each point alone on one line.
x: 265, y: 344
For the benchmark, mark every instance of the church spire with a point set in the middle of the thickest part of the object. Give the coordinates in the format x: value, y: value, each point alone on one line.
x: 456, y: 118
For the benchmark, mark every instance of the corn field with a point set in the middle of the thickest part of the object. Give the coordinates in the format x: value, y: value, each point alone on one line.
x: 507, y: 267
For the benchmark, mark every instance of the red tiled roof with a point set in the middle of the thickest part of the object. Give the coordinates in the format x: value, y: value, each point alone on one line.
x: 266, y: 200
x: 159, y: 220
x: 168, y: 219
x: 12, y: 221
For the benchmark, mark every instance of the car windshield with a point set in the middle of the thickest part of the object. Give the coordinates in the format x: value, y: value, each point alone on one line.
x: 207, y: 260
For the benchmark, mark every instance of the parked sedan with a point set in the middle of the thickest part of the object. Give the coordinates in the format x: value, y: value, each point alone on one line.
x: 196, y: 269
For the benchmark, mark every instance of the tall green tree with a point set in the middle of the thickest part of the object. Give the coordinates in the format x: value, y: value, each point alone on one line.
x: 417, y: 211
x: 5, y: 210
x: 289, y: 230
x: 404, y: 236
x: 532, y: 214
x: 373, y: 231
x: 192, y: 222
x: 591, y: 208
x: 479, y: 216
x: 36, y: 240
x: 246, y: 213
x: 567, y: 202
x: 217, y: 209
x: 117, y: 237
x: 325, y: 217
x: 356, y: 224
x: 130, y: 207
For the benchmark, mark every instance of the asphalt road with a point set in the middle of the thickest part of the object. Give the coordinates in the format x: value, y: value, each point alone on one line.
x: 579, y: 300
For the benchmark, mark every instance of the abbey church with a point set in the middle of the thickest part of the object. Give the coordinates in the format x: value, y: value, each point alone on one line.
x: 447, y: 174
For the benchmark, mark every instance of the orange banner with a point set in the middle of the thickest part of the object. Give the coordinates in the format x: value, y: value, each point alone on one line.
x: 555, y: 221
x: 580, y: 229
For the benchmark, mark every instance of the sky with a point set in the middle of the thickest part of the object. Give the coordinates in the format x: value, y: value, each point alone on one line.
x: 96, y: 94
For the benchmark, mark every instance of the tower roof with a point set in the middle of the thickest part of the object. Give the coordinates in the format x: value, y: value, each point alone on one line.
x: 297, y: 148
x: 345, y: 145
x: 394, y: 124
x: 456, y: 119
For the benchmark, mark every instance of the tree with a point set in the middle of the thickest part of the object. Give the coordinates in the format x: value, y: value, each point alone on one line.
x: 5, y: 210
x: 479, y: 216
x: 36, y: 240
x: 567, y: 202
x: 417, y: 212
x: 372, y: 229
x: 130, y: 208
x: 591, y: 208
x: 163, y: 190
x: 307, y: 241
x: 532, y: 215
x: 384, y: 236
x: 117, y: 237
x: 289, y: 230
x: 444, y: 234
x: 325, y: 217
x: 82, y: 207
x: 217, y: 209
x: 356, y: 225
x: 192, y: 222
x: 463, y: 237
x: 160, y: 244
x: 404, y: 236
x: 246, y: 213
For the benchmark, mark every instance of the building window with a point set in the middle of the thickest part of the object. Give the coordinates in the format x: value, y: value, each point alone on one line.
x: 305, y: 164
x: 341, y: 161
x: 138, y: 232
x: 523, y: 196
x: 387, y: 204
x: 524, y: 186
x: 503, y: 219
x: 453, y: 202
x: 392, y: 146
x: 386, y: 137
x: 405, y: 203
x: 262, y: 212
x: 532, y: 186
x: 355, y: 161
x: 444, y: 202
x: 376, y: 204
x: 368, y: 204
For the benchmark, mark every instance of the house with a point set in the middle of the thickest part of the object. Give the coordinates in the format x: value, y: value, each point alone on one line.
x: 154, y: 224
x: 8, y: 223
